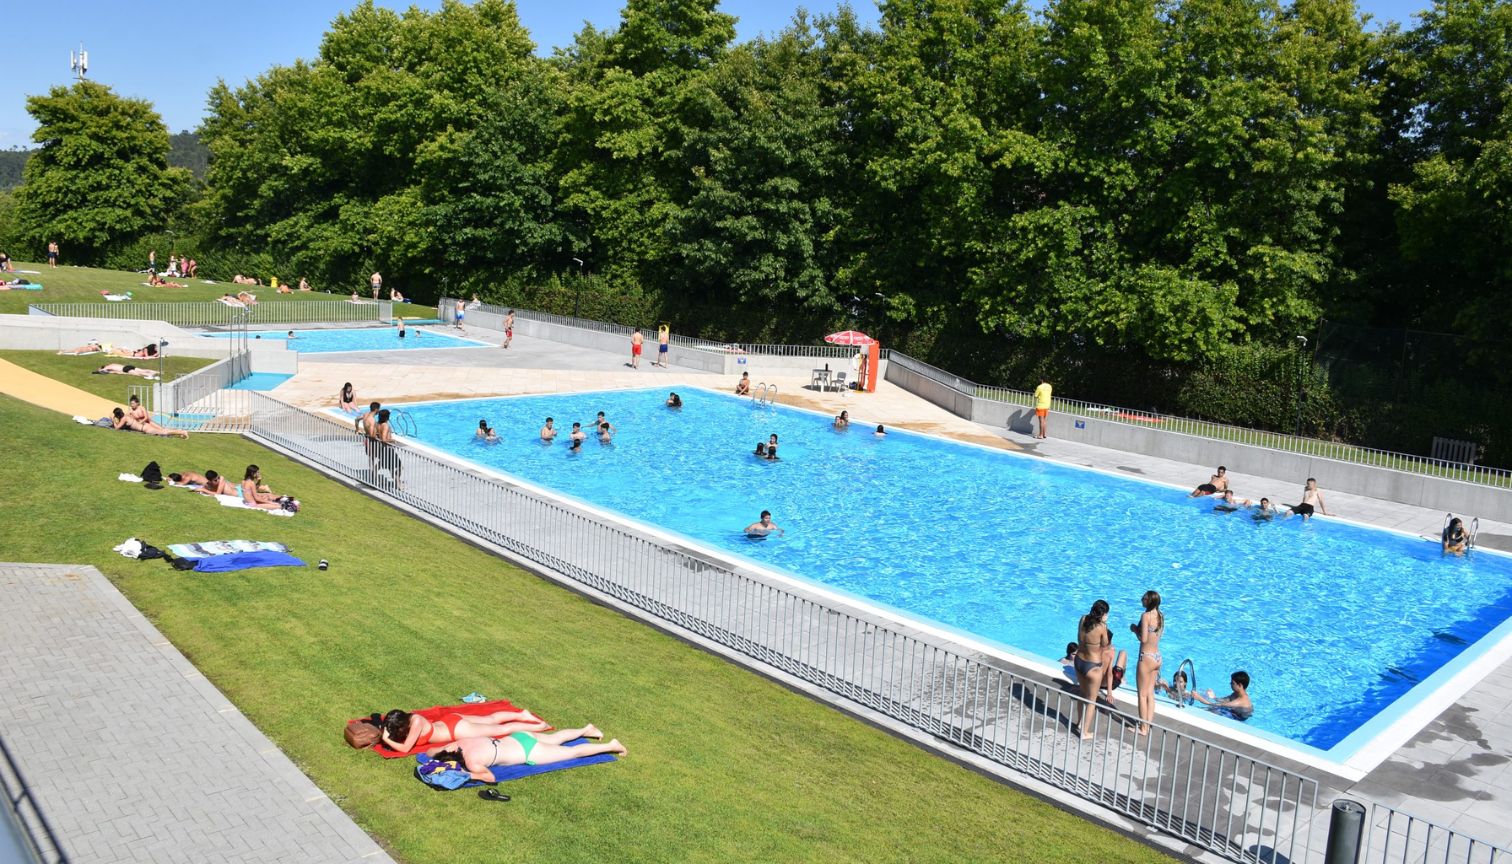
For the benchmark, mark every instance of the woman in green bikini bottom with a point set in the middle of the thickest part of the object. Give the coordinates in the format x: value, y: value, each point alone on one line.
x: 477, y: 755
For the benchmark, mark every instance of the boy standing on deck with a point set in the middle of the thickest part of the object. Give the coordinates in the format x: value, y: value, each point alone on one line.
x: 1042, y: 407
x: 636, y: 341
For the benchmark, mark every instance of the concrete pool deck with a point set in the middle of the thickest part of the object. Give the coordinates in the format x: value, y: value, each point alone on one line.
x: 1456, y: 771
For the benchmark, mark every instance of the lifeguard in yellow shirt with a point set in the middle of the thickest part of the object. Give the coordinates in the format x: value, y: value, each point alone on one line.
x: 1042, y: 407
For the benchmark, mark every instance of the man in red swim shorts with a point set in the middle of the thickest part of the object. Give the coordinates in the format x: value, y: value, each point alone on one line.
x: 636, y: 340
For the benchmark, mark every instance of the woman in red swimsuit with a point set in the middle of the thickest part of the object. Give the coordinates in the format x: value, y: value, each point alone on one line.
x: 405, y: 732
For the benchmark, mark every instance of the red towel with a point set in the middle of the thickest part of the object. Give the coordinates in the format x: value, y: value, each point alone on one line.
x: 434, y: 713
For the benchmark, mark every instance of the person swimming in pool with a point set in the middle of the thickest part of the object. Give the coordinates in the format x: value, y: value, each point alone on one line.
x: 601, y: 421
x: 575, y: 447
x: 548, y: 432
x: 1216, y: 484
x: 578, y: 434
x: 1227, y: 503
x: 881, y: 432
x: 477, y: 754
x: 771, y: 452
x: 674, y: 401
x: 1264, y: 511
x: 1455, y: 540
x: 760, y: 450
x: 842, y: 420
x: 1237, y: 704
x: 605, y: 432
x: 486, y: 432
x: 763, y: 526
x: 1177, y: 689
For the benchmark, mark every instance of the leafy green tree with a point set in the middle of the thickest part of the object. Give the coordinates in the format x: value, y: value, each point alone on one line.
x: 1454, y: 217
x: 626, y: 173
x: 99, y: 177
x: 416, y: 144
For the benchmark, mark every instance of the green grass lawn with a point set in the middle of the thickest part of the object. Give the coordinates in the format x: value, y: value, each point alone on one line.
x: 79, y: 371
x: 83, y: 285
x: 724, y: 765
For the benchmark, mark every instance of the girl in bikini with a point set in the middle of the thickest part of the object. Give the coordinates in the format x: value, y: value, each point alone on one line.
x: 405, y: 732
x: 1092, y: 640
x: 1148, y: 631
x: 477, y: 755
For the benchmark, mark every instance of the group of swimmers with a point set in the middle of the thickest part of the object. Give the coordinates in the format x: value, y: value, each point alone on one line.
x: 1218, y: 484
x: 1099, y: 668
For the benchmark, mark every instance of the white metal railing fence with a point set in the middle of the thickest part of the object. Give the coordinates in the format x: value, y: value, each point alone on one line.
x: 1395, y: 837
x: 900, y: 364
x: 447, y: 308
x: 1223, y: 801
x: 213, y: 314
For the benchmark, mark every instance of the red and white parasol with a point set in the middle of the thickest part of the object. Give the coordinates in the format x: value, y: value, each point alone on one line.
x: 849, y: 337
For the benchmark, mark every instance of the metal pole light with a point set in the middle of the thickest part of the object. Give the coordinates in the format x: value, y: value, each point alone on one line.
x: 577, y: 296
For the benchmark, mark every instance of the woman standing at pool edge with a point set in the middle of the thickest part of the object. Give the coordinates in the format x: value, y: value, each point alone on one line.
x: 1092, y: 640
x: 1148, y: 630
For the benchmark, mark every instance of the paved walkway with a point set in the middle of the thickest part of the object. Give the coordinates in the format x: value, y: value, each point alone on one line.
x: 172, y: 770
x: 29, y: 386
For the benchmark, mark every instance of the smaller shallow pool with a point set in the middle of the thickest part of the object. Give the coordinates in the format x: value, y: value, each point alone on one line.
x: 260, y: 381
x: 362, y: 339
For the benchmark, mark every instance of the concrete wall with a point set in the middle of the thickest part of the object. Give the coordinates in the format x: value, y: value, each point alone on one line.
x: 1287, y: 469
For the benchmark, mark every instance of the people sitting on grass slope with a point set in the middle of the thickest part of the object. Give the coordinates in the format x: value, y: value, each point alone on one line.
x: 121, y: 422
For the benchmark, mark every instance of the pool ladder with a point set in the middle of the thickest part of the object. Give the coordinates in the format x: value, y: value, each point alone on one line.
x: 403, y: 423
x: 764, y: 394
x: 1191, y: 669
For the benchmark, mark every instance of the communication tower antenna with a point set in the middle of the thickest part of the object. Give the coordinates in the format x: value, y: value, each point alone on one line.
x: 79, y: 63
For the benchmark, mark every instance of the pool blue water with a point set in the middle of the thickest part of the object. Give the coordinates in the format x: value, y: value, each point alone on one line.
x: 260, y: 381
x: 1332, y: 621
x: 363, y: 339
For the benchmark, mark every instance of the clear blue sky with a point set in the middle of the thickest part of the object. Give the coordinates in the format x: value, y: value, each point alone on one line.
x: 170, y: 52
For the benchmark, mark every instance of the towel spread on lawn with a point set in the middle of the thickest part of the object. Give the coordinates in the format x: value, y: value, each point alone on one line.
x: 224, y: 547
x: 246, y: 561
x: 434, y: 713
x: 428, y: 772
x: 233, y: 501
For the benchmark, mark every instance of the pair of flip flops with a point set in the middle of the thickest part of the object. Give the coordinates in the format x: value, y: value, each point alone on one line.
x: 491, y: 794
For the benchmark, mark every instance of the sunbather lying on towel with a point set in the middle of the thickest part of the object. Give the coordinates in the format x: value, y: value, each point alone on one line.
x: 120, y: 421
x: 405, y: 732
x: 477, y: 755
x: 126, y: 369
x: 98, y: 347
x: 154, y: 279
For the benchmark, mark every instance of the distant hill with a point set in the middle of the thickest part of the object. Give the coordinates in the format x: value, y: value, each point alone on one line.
x: 186, y: 151
x: 11, y: 163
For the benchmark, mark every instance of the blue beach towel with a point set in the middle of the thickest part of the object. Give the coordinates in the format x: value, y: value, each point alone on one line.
x: 504, y: 773
x: 246, y: 560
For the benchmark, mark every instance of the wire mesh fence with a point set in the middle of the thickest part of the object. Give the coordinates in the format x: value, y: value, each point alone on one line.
x: 1397, y: 837
x: 216, y: 315
x: 1224, y: 801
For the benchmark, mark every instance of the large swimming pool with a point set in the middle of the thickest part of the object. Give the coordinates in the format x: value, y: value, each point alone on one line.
x: 362, y: 339
x: 1333, y: 622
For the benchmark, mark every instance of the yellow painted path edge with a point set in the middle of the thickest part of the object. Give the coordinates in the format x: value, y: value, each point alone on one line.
x: 41, y: 390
